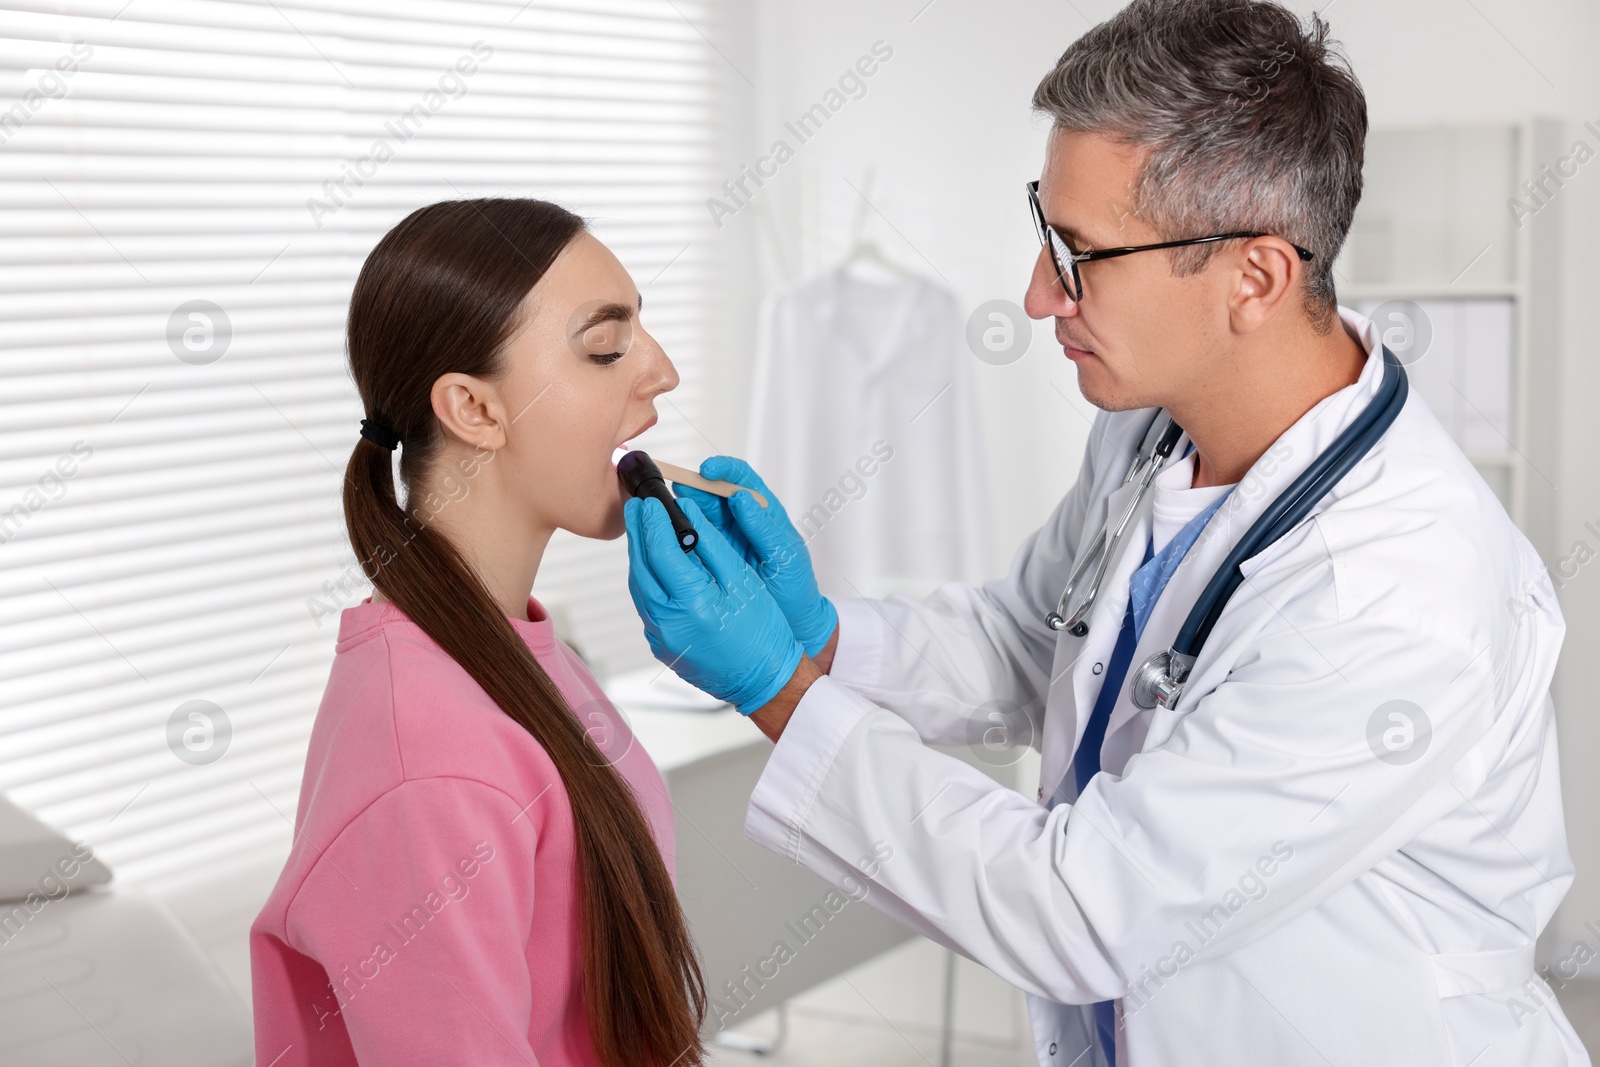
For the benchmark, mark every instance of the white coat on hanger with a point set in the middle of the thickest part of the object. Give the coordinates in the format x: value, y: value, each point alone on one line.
x: 864, y: 420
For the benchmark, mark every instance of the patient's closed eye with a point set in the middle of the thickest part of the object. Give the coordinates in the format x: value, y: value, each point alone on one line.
x: 606, y: 342
x: 602, y: 331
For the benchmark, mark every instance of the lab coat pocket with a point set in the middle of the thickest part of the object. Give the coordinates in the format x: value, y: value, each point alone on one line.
x: 1463, y: 973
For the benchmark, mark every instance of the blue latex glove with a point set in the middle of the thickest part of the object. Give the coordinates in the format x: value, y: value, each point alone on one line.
x: 706, y: 614
x: 770, y: 544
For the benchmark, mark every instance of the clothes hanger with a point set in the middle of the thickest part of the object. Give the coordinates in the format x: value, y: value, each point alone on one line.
x: 773, y: 244
x: 863, y: 252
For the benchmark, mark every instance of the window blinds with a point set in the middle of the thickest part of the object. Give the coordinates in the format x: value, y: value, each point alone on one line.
x: 189, y: 187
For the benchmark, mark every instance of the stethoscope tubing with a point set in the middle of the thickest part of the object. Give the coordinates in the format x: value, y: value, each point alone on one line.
x: 1144, y: 469
x: 1292, y: 505
x: 1314, y: 483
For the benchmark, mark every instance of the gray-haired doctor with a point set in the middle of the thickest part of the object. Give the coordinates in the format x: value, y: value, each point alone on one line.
x: 1329, y: 831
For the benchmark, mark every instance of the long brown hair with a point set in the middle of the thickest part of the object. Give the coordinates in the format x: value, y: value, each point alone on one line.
x: 441, y: 292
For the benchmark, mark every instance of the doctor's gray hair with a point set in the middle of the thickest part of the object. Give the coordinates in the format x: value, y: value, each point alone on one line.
x: 1251, y: 121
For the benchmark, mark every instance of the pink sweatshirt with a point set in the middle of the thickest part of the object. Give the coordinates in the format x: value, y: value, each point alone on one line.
x: 428, y: 911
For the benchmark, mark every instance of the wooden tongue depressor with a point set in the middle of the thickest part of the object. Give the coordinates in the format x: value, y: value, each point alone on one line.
x: 684, y: 476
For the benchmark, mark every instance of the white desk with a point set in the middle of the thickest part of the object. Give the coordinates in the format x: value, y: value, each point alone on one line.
x: 741, y: 899
x: 105, y: 979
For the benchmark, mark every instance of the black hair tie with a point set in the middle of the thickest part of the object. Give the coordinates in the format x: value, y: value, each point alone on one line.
x: 379, y: 434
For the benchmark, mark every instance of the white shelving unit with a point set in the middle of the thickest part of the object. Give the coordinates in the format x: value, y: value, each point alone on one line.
x: 1436, y: 247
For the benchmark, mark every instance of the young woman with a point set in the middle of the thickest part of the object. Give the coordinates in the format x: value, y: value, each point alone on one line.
x: 481, y: 869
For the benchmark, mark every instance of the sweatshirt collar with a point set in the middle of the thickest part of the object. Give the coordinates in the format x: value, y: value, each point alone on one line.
x: 369, y: 617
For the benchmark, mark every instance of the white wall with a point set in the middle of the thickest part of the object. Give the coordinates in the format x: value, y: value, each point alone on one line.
x: 946, y: 128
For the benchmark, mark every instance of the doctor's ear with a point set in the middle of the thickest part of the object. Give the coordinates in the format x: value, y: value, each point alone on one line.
x: 470, y: 410
x: 1268, y: 272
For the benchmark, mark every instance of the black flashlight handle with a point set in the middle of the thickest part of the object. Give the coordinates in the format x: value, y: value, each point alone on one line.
x: 642, y: 478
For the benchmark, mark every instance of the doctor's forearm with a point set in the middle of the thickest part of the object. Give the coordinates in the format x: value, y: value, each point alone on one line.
x: 972, y: 862
x: 774, y: 715
x: 824, y: 659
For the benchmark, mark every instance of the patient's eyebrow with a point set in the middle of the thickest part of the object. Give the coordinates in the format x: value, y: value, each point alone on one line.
x: 612, y: 312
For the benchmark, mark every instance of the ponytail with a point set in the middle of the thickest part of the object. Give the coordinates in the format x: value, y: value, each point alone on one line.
x: 441, y: 293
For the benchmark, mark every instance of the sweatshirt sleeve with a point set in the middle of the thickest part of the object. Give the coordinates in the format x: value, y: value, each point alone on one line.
x: 420, y: 912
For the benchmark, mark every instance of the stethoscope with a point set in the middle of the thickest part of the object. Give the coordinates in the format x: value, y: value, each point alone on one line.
x: 1160, y: 679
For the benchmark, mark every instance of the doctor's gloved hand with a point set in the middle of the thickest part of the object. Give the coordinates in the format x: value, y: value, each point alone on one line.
x: 770, y: 544
x: 706, y: 613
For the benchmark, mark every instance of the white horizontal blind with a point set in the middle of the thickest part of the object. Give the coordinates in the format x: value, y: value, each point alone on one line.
x: 167, y: 517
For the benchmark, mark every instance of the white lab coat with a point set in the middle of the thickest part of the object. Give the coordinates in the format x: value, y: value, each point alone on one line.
x: 1246, y: 878
x: 864, y: 421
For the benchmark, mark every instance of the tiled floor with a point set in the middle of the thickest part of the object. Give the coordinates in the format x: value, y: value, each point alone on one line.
x: 820, y: 1040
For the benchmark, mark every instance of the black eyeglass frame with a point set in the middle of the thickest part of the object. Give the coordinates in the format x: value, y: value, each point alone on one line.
x: 1059, y: 248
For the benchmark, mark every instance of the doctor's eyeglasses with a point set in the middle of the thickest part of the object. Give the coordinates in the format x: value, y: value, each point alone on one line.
x: 1066, y: 260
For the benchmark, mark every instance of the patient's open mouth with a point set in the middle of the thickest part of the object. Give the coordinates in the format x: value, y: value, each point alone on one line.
x: 630, y: 436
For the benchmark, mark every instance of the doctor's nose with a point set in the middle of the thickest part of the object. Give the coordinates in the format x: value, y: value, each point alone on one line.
x: 1045, y: 297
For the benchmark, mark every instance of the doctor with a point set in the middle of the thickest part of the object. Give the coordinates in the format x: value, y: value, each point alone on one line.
x: 1340, y: 843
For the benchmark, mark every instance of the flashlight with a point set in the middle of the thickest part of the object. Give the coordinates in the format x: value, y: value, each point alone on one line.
x: 642, y: 478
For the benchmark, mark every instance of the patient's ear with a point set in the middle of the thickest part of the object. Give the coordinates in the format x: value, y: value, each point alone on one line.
x: 470, y: 410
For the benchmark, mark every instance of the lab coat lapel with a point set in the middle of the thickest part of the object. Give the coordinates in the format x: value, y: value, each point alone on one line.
x: 896, y: 326
x: 1076, y: 682
x: 1168, y: 615
x: 1271, y: 474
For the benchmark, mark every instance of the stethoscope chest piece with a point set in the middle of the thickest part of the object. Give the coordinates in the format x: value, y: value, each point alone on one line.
x: 1159, y: 680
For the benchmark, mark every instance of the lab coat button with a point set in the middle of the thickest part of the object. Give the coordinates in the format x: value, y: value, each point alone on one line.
x: 1041, y: 793
x: 1052, y: 1048
x: 1098, y: 667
